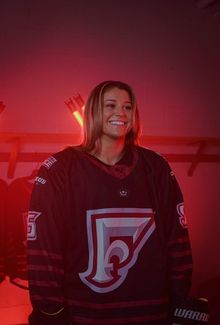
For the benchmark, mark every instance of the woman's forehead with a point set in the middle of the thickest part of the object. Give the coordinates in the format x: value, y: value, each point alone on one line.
x: 116, y: 93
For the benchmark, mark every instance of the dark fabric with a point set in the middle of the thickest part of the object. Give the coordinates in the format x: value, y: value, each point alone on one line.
x: 38, y: 318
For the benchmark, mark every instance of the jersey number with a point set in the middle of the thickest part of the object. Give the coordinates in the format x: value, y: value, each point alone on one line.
x: 31, y: 225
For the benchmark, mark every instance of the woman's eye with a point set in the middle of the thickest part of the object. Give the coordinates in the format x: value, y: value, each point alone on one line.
x: 128, y: 108
x: 110, y: 105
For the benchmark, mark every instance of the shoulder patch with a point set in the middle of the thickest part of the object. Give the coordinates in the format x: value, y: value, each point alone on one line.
x: 181, y: 213
x: 40, y: 180
x: 49, y: 162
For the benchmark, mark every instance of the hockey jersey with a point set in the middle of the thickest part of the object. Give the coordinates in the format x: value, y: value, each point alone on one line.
x: 110, y: 243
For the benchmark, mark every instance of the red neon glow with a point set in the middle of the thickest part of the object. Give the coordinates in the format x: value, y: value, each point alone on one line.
x: 76, y: 106
x: 71, y: 105
x: 79, y: 100
x: 78, y: 117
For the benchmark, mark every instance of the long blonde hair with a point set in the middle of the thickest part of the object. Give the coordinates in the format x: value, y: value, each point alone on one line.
x: 93, y: 112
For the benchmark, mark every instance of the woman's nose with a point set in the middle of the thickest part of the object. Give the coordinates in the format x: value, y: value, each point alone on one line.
x: 120, y: 110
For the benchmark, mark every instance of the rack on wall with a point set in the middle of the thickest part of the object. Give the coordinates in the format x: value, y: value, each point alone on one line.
x: 16, y: 142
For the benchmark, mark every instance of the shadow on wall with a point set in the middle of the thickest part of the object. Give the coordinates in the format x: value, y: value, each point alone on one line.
x: 211, y: 290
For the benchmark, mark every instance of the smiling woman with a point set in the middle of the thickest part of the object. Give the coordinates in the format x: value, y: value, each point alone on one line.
x: 117, y: 116
x: 111, y: 103
x: 110, y: 243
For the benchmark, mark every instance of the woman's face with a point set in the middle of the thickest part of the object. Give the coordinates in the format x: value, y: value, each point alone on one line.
x: 117, y: 114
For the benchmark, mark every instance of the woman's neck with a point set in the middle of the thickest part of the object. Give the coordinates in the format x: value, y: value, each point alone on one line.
x: 110, y: 153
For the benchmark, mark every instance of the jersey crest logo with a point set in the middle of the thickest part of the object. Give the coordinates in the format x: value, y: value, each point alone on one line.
x: 181, y: 213
x: 31, y: 225
x: 115, y: 238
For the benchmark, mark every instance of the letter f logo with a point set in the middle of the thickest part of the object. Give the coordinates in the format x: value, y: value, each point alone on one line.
x: 115, y: 238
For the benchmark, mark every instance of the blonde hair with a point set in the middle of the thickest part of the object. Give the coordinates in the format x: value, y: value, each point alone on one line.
x: 92, y: 130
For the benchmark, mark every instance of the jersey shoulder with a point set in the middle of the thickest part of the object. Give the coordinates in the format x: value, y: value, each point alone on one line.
x: 152, y: 156
x: 155, y: 162
x: 60, y: 158
x: 58, y: 164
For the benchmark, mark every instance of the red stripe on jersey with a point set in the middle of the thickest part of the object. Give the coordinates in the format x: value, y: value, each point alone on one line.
x: 47, y: 268
x: 180, y: 254
x: 180, y: 240
x: 180, y: 277
x: 124, y: 320
x: 40, y: 283
x: 41, y: 298
x: 182, y: 267
x: 121, y: 304
x: 43, y: 252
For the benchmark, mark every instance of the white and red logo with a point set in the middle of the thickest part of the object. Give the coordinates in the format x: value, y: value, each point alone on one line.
x: 115, y: 238
x: 31, y: 225
x: 181, y: 213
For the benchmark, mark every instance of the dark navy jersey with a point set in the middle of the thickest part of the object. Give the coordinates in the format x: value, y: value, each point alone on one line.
x: 110, y: 243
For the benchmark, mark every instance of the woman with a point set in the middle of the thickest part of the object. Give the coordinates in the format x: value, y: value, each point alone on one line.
x: 107, y: 238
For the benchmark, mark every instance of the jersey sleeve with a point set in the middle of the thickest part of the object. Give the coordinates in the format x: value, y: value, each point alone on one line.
x: 176, y: 233
x: 45, y: 238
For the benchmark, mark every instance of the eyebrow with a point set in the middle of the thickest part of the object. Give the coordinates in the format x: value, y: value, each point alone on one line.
x: 114, y: 100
